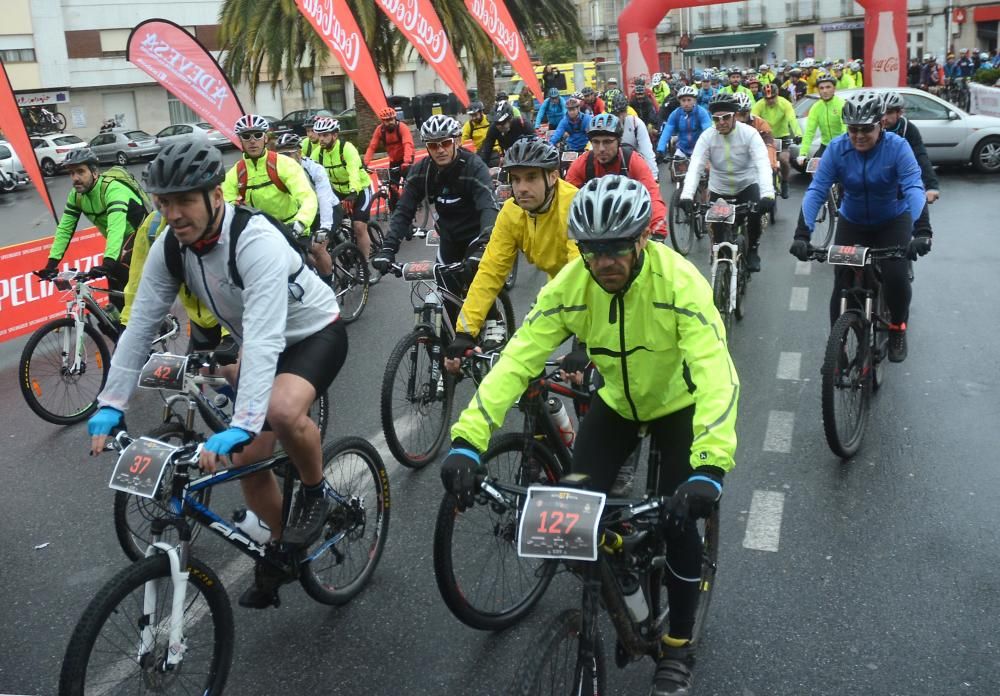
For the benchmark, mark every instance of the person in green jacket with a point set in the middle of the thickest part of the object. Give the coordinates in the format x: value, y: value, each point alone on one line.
x: 114, y: 208
x: 844, y: 79
x: 825, y: 115
x: 780, y: 115
x: 660, y: 88
x: 644, y: 315
x: 735, y: 85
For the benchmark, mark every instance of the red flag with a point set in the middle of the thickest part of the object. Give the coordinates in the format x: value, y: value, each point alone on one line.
x: 421, y: 26
x: 17, y: 135
x: 332, y: 19
x: 175, y: 59
x: 494, y: 17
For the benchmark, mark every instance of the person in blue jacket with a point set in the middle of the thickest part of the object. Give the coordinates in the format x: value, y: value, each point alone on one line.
x: 687, y: 123
x: 574, y: 126
x: 883, y: 195
x: 552, y: 110
x: 707, y: 91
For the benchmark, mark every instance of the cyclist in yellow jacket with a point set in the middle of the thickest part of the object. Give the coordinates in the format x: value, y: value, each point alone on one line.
x: 534, y: 222
x: 647, y: 318
x: 477, y: 125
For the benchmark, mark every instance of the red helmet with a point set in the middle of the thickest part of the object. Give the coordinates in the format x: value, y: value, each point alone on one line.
x: 387, y: 112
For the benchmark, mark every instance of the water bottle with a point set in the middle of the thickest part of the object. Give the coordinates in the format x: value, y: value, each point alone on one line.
x: 494, y: 334
x: 247, y: 522
x: 562, y: 421
x: 634, y: 599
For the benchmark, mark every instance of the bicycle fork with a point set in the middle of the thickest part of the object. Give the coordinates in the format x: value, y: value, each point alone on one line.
x: 176, y: 645
x: 729, y: 261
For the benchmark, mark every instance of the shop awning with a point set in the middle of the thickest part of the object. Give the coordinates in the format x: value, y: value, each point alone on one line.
x: 986, y: 13
x: 715, y: 45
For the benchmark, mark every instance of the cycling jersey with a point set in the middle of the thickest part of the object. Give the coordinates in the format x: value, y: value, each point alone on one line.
x: 263, y: 318
x: 575, y: 131
x: 738, y: 160
x: 596, y: 107
x: 728, y: 89
x: 541, y: 238
x: 659, y: 345
x: 326, y: 199
x: 637, y: 169
x: 344, y: 167
x: 687, y: 126
x: 661, y: 92
x: 475, y: 131
x: 636, y: 135
x: 781, y: 117
x: 550, y: 112
x: 766, y: 78
x: 298, y: 205
x: 762, y: 127
x: 396, y: 143
x: 494, y: 138
x: 705, y: 95
x: 810, y: 80
x: 106, y: 207
x: 825, y: 115
x: 879, y: 185
x: 309, y: 148
x: 646, y: 109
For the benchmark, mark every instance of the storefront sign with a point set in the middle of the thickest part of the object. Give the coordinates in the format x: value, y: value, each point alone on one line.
x: 42, y: 98
x: 842, y: 26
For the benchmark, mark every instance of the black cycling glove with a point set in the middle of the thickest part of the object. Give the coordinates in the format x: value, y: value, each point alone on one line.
x: 696, y: 497
x: 919, y: 246
x: 460, y: 346
x: 460, y: 471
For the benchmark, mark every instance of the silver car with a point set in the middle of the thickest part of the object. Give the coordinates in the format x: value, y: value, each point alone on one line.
x: 122, y: 146
x: 180, y: 131
x: 951, y: 135
x: 12, y: 172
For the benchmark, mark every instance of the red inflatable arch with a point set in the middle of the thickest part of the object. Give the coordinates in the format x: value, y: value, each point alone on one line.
x: 885, y: 38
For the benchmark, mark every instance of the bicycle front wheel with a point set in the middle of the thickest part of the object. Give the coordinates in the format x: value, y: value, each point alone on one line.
x: 61, y: 372
x: 350, y: 280
x: 720, y: 294
x: 416, y: 399
x: 375, y: 236
x: 846, y: 385
x: 339, y: 565
x: 553, y: 665
x: 121, y: 644
x: 482, y: 580
x: 682, y: 226
x: 830, y: 220
x: 708, y: 530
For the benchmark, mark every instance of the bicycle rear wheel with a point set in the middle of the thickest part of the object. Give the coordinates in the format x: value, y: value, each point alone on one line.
x: 682, y: 226
x: 54, y: 389
x: 742, y: 278
x: 553, y: 664
x: 118, y: 647
x: 416, y: 399
x: 846, y: 385
x: 350, y: 280
x: 376, y: 237
x: 829, y: 219
x: 340, y: 564
x: 482, y: 580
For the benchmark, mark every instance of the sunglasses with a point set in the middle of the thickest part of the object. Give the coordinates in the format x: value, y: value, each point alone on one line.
x: 721, y: 118
x: 615, y: 249
x: 256, y: 135
x: 440, y: 145
x: 867, y: 128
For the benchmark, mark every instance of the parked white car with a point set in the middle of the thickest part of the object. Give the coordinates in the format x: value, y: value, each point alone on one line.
x: 180, y: 131
x: 12, y: 172
x: 51, y: 150
x: 951, y: 135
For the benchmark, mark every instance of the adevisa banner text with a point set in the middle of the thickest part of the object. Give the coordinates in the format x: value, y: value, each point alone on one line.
x: 494, y: 17
x: 176, y: 60
x: 16, y: 134
x: 333, y: 21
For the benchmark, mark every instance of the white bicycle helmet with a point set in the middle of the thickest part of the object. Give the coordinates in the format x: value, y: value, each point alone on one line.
x: 657, y: 79
x: 807, y: 63
x: 764, y: 67
x: 325, y: 124
x: 744, y: 102
x: 687, y: 91
x: 288, y: 141
x: 440, y: 127
x: 608, y: 208
x: 249, y: 123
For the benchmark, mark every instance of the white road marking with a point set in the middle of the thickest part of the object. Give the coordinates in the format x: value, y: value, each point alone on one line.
x: 800, y: 300
x: 778, y: 437
x: 803, y: 267
x: 789, y: 365
x: 764, y: 521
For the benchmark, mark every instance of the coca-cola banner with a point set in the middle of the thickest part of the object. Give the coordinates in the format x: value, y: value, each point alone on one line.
x: 885, y: 43
x: 494, y: 17
x: 332, y: 19
x: 421, y: 26
x: 176, y: 60
x: 15, y: 133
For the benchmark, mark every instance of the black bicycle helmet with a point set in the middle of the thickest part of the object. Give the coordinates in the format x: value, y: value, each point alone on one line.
x: 723, y: 102
x: 475, y: 107
x: 826, y: 77
x: 619, y: 103
x: 605, y: 124
x: 609, y: 208
x: 862, y: 108
x: 531, y: 152
x: 892, y: 101
x: 504, y: 112
x: 184, y: 166
x: 83, y: 155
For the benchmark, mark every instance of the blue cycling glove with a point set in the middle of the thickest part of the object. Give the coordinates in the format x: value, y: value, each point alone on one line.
x: 104, y: 421
x: 228, y: 441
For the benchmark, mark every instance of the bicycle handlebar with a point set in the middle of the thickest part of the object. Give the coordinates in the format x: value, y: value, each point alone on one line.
x: 893, y: 252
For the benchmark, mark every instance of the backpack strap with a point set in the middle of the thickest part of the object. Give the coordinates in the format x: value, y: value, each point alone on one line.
x: 272, y: 171
x: 172, y: 254
x: 241, y: 216
x: 270, y: 164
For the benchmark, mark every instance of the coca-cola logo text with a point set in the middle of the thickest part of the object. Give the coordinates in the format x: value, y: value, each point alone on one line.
x: 320, y: 13
x: 489, y: 17
x: 212, y: 88
x: 889, y: 64
x: 406, y: 13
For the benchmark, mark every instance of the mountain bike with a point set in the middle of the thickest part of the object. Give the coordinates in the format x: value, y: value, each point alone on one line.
x: 684, y: 228
x: 166, y: 622
x: 727, y: 223
x: 390, y: 184
x: 65, y: 363
x: 417, y: 392
x: 618, y: 549
x: 351, y: 276
x: 854, y: 363
x: 192, y: 374
x: 829, y: 211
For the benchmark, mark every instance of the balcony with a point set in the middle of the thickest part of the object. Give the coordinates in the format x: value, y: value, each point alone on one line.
x: 595, y: 32
x: 849, y: 9
x: 712, y: 20
x: 801, y: 11
x: 751, y: 15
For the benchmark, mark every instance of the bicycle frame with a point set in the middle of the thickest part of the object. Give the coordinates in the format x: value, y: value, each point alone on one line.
x: 732, y: 256
x: 77, y: 308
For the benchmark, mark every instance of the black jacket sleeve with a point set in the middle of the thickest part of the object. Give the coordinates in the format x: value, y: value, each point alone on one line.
x: 486, y: 149
x: 413, y: 193
x: 479, y: 188
x: 916, y: 141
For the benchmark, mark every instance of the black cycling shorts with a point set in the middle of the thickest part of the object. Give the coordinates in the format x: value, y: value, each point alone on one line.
x: 362, y: 205
x: 317, y: 358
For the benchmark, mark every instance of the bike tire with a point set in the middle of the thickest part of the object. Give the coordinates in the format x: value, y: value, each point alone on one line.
x: 37, y: 365
x: 511, y: 280
x: 350, y: 280
x: 354, y: 469
x: 376, y: 238
x: 682, y: 226
x: 552, y: 663
x: 134, y: 514
x: 708, y: 529
x: 60, y: 121
x: 742, y: 278
x: 117, y: 601
x: 880, y: 343
x: 425, y: 413
x: 504, y: 305
x: 830, y: 219
x: 720, y: 295
x: 480, y: 544
x: 846, y: 371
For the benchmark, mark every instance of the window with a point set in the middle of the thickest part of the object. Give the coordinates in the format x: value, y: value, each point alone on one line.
x: 102, y: 139
x: 923, y: 109
x: 113, y: 42
x: 18, y: 55
x: 66, y: 140
x: 182, y: 130
x: 179, y: 112
x: 4, y: 152
x: 37, y: 143
x: 334, y: 93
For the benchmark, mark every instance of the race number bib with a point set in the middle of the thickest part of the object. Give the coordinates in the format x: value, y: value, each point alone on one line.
x: 140, y: 467
x: 164, y: 371
x: 847, y: 255
x: 560, y: 523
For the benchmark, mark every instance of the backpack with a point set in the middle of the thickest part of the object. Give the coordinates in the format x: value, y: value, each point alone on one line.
x: 271, y: 164
x: 173, y: 254
x: 589, y: 172
x: 118, y: 173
